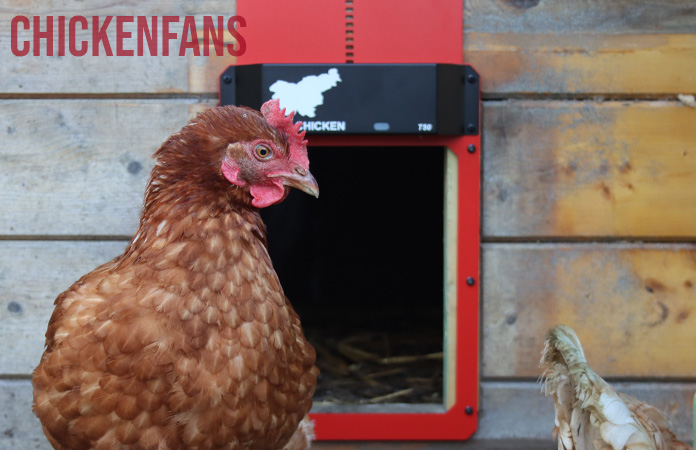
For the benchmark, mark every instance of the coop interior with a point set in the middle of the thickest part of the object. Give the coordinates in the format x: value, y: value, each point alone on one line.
x: 363, y: 265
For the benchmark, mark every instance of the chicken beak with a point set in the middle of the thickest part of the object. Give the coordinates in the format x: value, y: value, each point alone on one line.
x: 303, y: 180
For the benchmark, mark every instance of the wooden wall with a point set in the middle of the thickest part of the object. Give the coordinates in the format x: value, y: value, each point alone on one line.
x: 589, y: 192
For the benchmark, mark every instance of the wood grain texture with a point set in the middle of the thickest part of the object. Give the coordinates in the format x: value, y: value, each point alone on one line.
x: 450, y: 239
x: 32, y: 274
x: 505, y: 402
x: 19, y: 427
x: 589, y: 169
x: 514, y: 415
x: 561, y: 16
x: 111, y: 74
x: 632, y: 305
x: 596, y: 64
x: 79, y: 167
x: 551, y: 169
x: 580, y: 47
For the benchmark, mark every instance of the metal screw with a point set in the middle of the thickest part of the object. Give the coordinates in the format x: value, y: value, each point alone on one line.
x: 470, y: 281
x: 471, y: 78
x: 471, y: 128
x: 226, y: 79
x: 471, y: 148
x: 469, y: 410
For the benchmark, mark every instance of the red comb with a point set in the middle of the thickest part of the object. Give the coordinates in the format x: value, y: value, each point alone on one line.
x: 297, y: 143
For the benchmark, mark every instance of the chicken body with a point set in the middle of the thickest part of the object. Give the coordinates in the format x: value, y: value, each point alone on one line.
x: 590, y: 414
x: 186, y: 341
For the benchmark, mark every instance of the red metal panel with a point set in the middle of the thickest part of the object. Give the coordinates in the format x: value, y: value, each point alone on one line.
x: 397, y: 31
x: 387, y: 31
x: 454, y: 424
x: 360, y: 31
x: 286, y: 32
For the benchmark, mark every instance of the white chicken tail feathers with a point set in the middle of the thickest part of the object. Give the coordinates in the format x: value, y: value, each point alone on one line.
x: 562, y: 342
x: 590, y: 414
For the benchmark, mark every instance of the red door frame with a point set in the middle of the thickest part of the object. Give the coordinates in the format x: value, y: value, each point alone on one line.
x: 459, y: 421
x: 388, y: 31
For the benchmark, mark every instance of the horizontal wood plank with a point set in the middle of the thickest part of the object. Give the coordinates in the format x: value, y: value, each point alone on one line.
x: 550, y: 169
x: 20, y: 428
x: 593, y: 63
x: 32, y: 274
x: 79, y: 167
x: 592, y: 169
x: 633, y: 306
x: 513, y: 416
x: 571, y: 16
x: 88, y: 74
x: 569, y: 47
x: 13, y: 8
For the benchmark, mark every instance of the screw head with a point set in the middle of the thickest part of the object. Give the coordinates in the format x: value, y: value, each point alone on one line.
x: 470, y: 281
x: 226, y: 79
x: 469, y: 410
x: 471, y: 148
x: 471, y: 128
x: 471, y: 78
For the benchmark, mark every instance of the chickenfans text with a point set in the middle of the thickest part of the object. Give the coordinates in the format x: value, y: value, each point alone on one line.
x: 127, y: 35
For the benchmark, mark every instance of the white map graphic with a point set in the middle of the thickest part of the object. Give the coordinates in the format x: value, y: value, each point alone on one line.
x: 305, y: 95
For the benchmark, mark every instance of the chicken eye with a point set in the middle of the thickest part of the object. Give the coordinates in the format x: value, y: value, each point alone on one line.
x: 263, y: 152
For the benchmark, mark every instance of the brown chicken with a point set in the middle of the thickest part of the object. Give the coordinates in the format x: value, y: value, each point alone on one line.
x: 186, y: 341
x: 590, y: 414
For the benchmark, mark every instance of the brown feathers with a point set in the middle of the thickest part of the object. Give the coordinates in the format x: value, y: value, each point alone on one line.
x: 186, y: 341
x: 590, y: 414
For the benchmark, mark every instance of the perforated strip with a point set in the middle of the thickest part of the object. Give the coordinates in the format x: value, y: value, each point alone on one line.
x: 349, y: 31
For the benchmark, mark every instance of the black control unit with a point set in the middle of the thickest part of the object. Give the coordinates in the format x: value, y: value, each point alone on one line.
x: 441, y: 99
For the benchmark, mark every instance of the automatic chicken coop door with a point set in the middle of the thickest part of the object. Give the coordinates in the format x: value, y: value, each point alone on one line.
x: 383, y: 268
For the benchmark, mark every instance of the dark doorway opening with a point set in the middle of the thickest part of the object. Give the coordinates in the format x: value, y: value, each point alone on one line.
x: 363, y: 267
